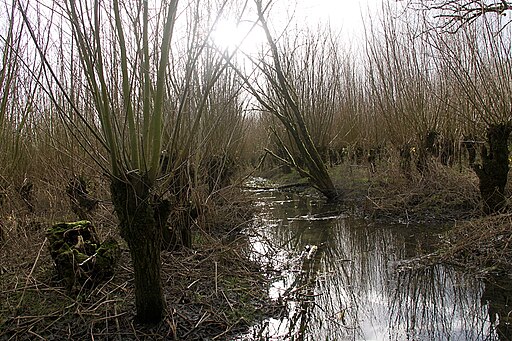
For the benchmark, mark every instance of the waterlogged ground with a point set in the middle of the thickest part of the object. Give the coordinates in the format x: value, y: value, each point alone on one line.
x: 344, y: 279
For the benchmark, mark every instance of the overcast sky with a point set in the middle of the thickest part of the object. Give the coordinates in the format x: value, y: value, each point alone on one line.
x: 340, y: 13
x: 344, y: 16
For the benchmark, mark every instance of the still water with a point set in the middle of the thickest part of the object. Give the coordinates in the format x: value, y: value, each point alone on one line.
x: 345, y: 279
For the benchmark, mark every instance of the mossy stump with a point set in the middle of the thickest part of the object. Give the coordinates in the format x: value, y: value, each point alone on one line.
x: 79, y: 256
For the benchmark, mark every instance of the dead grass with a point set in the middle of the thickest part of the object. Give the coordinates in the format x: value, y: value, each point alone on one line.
x: 444, y: 194
x: 483, y: 245
x: 211, y: 291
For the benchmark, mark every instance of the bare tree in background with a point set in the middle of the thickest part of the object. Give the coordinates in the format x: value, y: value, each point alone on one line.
x: 479, y: 60
x: 280, y: 99
x: 454, y: 14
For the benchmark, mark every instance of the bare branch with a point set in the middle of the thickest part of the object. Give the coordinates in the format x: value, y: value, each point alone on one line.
x: 455, y: 14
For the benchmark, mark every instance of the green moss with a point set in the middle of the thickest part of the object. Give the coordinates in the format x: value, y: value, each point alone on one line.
x: 78, y: 254
x: 242, y: 293
x: 106, y: 257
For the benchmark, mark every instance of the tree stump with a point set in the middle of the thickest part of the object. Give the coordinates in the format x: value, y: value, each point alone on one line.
x: 79, y: 256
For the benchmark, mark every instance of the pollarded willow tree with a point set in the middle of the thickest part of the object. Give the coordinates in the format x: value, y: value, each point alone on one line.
x: 123, y: 52
x: 132, y: 133
x: 409, y: 89
x: 279, y: 97
x: 481, y: 67
x: 479, y: 60
x: 324, y: 74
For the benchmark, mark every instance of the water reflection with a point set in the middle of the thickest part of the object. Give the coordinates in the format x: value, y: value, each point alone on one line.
x: 341, y: 281
x: 497, y: 296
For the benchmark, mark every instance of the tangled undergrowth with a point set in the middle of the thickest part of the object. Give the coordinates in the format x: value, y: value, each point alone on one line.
x: 442, y: 195
x: 212, y: 291
x: 482, y: 245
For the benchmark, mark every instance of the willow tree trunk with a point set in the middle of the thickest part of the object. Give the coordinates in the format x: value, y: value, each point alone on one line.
x: 405, y: 160
x: 426, y: 150
x: 493, y: 171
x: 141, y: 230
x: 322, y: 180
x: 287, y: 110
x: 317, y: 170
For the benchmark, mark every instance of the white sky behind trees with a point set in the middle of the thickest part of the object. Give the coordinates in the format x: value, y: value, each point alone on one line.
x: 346, y: 17
x: 341, y: 14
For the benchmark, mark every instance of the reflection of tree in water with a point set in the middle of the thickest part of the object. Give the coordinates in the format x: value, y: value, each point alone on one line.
x: 430, y: 304
x: 314, y: 237
x: 305, y: 229
x: 497, y: 296
x: 350, y: 290
x: 353, y: 286
x: 303, y: 295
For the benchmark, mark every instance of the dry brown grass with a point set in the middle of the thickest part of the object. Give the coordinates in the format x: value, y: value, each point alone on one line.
x: 212, y: 290
x: 443, y: 194
x: 483, y: 245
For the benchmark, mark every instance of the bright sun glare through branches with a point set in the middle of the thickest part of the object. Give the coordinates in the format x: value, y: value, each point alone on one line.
x: 347, y: 17
x: 244, y: 36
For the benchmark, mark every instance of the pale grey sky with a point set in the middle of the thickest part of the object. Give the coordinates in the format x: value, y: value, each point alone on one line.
x: 345, y: 16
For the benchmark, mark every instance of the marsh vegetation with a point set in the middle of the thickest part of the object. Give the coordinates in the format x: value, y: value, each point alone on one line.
x: 132, y: 118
